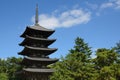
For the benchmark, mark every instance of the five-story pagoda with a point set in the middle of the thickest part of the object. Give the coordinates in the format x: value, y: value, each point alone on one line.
x: 36, y: 52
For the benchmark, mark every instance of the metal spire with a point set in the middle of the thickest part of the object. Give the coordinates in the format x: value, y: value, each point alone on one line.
x: 36, y: 16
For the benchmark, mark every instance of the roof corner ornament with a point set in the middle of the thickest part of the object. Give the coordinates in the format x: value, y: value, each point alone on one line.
x: 36, y: 16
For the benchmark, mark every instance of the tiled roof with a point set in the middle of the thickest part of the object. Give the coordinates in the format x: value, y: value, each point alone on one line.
x: 38, y: 70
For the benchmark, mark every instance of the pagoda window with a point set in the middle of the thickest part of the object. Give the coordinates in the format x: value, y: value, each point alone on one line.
x: 38, y: 36
x: 43, y: 66
x: 43, y: 56
x: 38, y: 44
x: 42, y: 46
x: 34, y: 35
x: 38, y: 65
x: 47, y: 56
x: 33, y: 66
x: 34, y: 55
x: 41, y: 36
x: 39, y: 55
x: 34, y: 45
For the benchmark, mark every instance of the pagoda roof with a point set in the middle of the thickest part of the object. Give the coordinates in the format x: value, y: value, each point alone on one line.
x: 40, y: 28
x: 38, y: 70
x: 46, y: 51
x: 31, y: 60
x: 29, y: 38
x: 37, y: 29
x: 40, y: 49
x: 40, y: 59
x: 43, y: 39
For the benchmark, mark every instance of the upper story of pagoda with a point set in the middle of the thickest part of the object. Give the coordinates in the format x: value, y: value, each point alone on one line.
x: 37, y: 30
x: 36, y: 40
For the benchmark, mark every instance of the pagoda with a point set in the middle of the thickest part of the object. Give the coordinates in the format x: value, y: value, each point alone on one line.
x: 36, y: 52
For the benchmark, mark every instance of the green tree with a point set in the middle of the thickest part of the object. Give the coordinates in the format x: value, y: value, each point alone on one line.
x: 116, y: 66
x: 117, y: 47
x: 13, y: 66
x: 3, y: 76
x: 8, y: 68
x: 76, y: 65
x: 106, y: 64
x: 105, y: 57
x: 3, y: 67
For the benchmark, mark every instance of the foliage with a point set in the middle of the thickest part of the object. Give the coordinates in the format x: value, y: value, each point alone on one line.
x: 3, y: 76
x: 8, y: 68
x: 117, y: 47
x: 106, y: 64
x: 78, y: 65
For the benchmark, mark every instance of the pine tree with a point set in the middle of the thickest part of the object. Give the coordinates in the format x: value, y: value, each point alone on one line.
x: 106, y: 64
x: 117, y: 65
x: 76, y: 65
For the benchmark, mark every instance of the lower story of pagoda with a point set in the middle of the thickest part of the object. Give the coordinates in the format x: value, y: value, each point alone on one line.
x: 30, y: 75
x: 35, y: 76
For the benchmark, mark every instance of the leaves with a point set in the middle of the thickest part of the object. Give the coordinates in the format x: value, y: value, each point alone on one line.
x: 78, y: 65
x: 8, y: 68
x: 3, y: 76
x: 75, y: 65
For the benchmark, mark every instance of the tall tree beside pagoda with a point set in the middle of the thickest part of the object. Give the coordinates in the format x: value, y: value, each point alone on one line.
x: 36, y: 52
x: 76, y: 65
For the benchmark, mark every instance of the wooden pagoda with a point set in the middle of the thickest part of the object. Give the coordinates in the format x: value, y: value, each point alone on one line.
x: 36, y: 52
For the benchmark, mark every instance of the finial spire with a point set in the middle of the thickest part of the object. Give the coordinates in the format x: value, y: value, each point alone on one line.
x: 36, y: 16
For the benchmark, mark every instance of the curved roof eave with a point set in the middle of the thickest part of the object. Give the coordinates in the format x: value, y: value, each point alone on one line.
x: 43, y: 39
x: 40, y: 28
x: 37, y: 29
x: 49, y: 41
x: 44, y: 49
x: 40, y: 59
x: 39, y: 70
